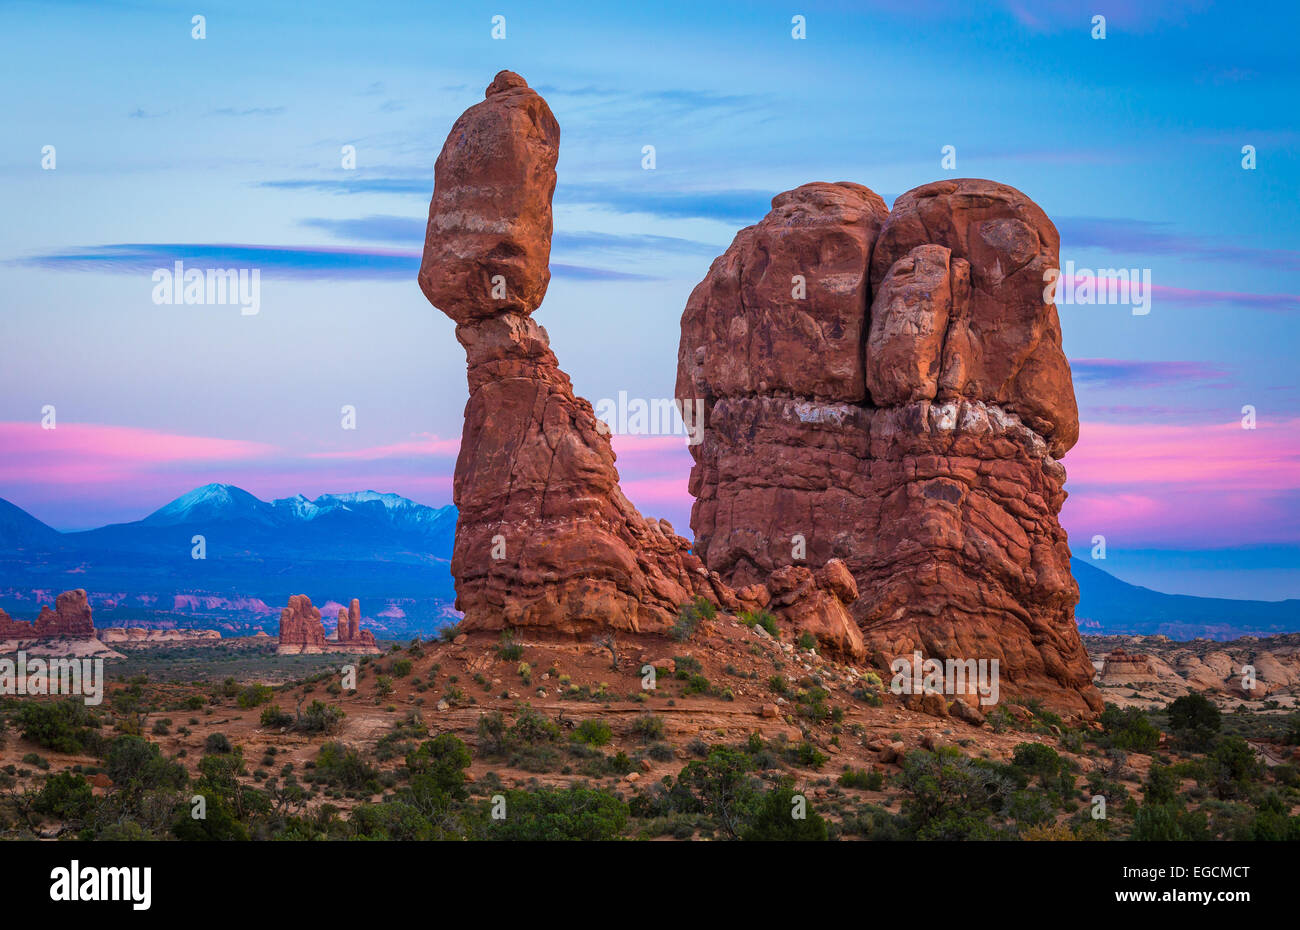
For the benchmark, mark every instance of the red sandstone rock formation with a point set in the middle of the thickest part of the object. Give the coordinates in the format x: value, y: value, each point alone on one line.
x: 1123, y: 667
x: 15, y: 629
x: 302, y: 632
x: 70, y: 619
x: 889, y: 389
x: 545, y: 538
x: 349, y: 632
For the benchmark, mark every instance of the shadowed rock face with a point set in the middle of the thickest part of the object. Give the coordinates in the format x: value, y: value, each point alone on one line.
x: 545, y: 538
x: 889, y: 389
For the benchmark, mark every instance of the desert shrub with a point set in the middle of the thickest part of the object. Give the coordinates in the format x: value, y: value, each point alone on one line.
x: 575, y: 813
x: 1195, y: 721
x: 319, y: 718
x: 867, y: 781
x: 949, y: 796
x: 776, y: 818
x: 273, y: 716
x: 1037, y: 759
x: 134, y: 761
x: 63, y: 726
x: 217, y: 742
x: 65, y: 796
x: 531, y: 727
x: 593, y: 732
x: 806, y: 641
x: 806, y: 754
x: 1129, y: 729
x: 253, y: 696
x: 343, y: 765
x: 649, y: 727
x: 508, y: 649
x: 762, y: 617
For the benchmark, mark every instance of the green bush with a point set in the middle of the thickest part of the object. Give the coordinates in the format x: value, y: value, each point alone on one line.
x: 575, y: 813
x: 63, y: 726
x: 509, y: 650
x: 274, y: 717
x: 1195, y: 721
x: 649, y: 728
x: 593, y: 732
x: 777, y: 818
x: 253, y: 696
x: 867, y: 781
x: 762, y: 617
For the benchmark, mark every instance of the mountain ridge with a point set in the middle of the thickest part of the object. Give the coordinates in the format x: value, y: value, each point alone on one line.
x: 394, y: 551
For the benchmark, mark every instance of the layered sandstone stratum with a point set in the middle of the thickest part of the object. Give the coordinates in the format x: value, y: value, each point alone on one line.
x: 885, y: 403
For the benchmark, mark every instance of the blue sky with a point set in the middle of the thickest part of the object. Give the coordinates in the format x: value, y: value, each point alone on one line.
x: 227, y: 149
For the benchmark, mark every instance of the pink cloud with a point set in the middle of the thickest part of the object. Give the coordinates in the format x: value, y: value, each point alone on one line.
x: 1218, y: 456
x: 426, y: 444
x: 78, y: 453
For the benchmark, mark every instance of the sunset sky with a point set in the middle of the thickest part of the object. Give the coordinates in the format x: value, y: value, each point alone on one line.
x: 226, y: 151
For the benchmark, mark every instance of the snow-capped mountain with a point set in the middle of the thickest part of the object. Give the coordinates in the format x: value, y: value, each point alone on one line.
x: 389, y: 551
x: 211, y: 502
x: 225, y: 503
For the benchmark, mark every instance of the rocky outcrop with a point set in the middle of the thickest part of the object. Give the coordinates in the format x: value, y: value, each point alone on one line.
x: 349, y: 634
x: 15, y: 629
x: 888, y: 388
x: 70, y: 619
x: 303, y: 633
x: 546, y: 540
x: 1124, y: 667
x: 139, y: 636
x: 301, y: 630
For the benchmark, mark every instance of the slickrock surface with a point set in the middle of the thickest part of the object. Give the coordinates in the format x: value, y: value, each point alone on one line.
x: 889, y: 389
x: 139, y: 636
x: 545, y: 538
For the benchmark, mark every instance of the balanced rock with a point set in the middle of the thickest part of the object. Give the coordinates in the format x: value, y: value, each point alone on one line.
x: 545, y: 538
x: 889, y: 389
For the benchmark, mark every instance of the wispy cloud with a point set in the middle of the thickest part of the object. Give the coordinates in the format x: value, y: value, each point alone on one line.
x: 731, y: 206
x: 738, y: 206
x: 1127, y: 373
x: 388, y: 185
x: 294, y: 262
x: 247, y: 111
x: 410, y: 230
x: 1189, y: 296
x: 1140, y: 237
